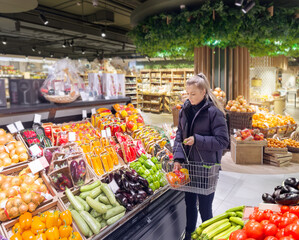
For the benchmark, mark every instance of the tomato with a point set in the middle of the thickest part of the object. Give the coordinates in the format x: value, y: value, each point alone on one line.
x: 275, y: 219
x: 252, y: 216
x: 284, y: 209
x: 254, y: 229
x: 270, y: 238
x: 292, y: 216
x: 270, y: 229
x: 286, y: 238
x: 238, y: 235
x: 280, y: 233
x: 295, y: 210
x: 259, y: 216
x: 285, y: 221
x: 267, y: 214
x: 292, y: 230
x: 265, y: 222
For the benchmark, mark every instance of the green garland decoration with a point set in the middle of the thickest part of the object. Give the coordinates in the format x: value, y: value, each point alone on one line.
x: 175, y: 35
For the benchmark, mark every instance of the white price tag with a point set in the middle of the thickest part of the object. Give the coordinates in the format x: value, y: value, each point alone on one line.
x: 37, y: 118
x: 93, y: 111
x: 108, y: 132
x: 12, y: 128
x: 38, y: 165
x: 103, y: 133
x: 171, y: 142
x: 47, y: 196
x: 19, y: 125
x: 72, y: 136
x: 35, y: 150
x: 113, y: 186
x: 6, y: 149
x: 84, y: 114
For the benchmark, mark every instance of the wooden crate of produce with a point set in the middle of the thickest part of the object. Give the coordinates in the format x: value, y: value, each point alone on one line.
x: 247, y: 152
x: 295, y: 157
x: 275, y: 150
x: 278, y: 159
x: 54, y: 205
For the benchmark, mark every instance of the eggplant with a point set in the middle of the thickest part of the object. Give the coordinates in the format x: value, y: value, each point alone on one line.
x: 121, y: 172
x: 135, y: 186
x: 142, y: 193
x: 287, y: 199
x: 276, y: 193
x: 129, y: 197
x: 74, y: 167
x: 105, y: 180
x: 291, y: 181
x: 148, y: 190
x: 284, y: 190
x: 142, y: 181
x: 129, y: 207
x: 110, y: 177
x: 122, y: 199
x: 267, y: 198
x: 292, y: 190
x: 48, y: 155
x: 140, y: 198
x: 134, y: 172
x: 117, y: 178
x: 125, y: 184
x: 130, y: 176
x: 82, y: 170
x: 134, y: 195
x: 278, y: 187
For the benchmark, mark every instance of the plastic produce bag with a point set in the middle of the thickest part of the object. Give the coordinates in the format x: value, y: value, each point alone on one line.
x: 64, y: 84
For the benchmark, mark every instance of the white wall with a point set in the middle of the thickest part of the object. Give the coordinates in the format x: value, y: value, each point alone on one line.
x: 288, y: 80
x: 268, y: 76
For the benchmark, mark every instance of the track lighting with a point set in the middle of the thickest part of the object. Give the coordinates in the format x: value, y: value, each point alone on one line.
x: 83, y: 51
x: 103, y: 33
x: 33, y: 49
x: 43, y: 19
x: 239, y: 3
x: 64, y: 44
x: 249, y: 5
x: 4, y: 41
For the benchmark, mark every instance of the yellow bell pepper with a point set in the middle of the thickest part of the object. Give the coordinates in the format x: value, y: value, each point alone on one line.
x: 75, y: 236
x: 65, y: 231
x: 52, y: 233
x: 66, y: 217
x: 38, y: 226
x: 25, y: 221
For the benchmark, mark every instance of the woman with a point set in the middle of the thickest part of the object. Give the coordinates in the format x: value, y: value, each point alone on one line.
x: 203, y: 131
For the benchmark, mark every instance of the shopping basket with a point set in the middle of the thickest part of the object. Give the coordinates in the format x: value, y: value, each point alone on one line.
x: 203, y: 176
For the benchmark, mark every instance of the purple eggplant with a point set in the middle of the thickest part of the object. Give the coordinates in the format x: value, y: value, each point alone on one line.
x: 117, y: 178
x: 134, y: 195
x: 142, y: 193
x: 135, y: 186
x: 148, y: 190
x: 48, y: 155
x: 129, y: 197
x: 110, y: 177
x: 121, y: 172
x: 134, y: 172
x: 140, y: 198
x: 122, y: 199
x: 129, y: 207
x: 105, y: 180
x: 61, y: 182
x: 131, y: 177
x: 75, y: 171
x: 142, y: 181
x: 125, y: 184
x: 82, y: 170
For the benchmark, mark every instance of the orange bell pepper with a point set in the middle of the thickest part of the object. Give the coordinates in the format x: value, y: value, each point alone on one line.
x: 52, y: 219
x: 52, y: 233
x: 43, y: 216
x: 25, y: 221
x: 40, y: 236
x: 16, y: 236
x: 28, y: 235
x: 66, y: 217
x: 75, y: 236
x: 59, y: 222
x: 38, y: 226
x: 17, y: 229
x: 173, y: 179
x: 65, y: 230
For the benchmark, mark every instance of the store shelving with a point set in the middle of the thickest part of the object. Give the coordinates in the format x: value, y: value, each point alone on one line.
x: 131, y: 88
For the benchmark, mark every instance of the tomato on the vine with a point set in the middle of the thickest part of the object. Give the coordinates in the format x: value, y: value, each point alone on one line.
x: 284, y: 209
x: 238, y: 235
x: 270, y: 229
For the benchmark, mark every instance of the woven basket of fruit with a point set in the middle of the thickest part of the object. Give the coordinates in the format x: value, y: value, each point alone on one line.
x: 62, y: 99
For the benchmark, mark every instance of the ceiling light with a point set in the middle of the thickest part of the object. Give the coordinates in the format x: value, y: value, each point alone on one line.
x: 182, y: 6
x: 51, y: 55
x: 71, y: 43
x: 248, y: 6
x: 26, y: 57
x: 83, y: 51
x: 4, y: 41
x: 43, y: 19
x: 33, y: 49
x: 64, y: 44
x: 95, y: 3
x: 239, y: 3
x: 103, y: 33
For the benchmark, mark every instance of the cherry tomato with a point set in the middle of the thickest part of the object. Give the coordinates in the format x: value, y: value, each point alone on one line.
x: 292, y: 230
x: 252, y: 216
x: 267, y: 214
x: 238, y: 235
x: 285, y: 221
x: 292, y: 216
x: 270, y: 238
x: 295, y: 210
x: 270, y: 229
x: 286, y: 238
x: 259, y: 216
x: 284, y: 209
x: 265, y: 222
x: 275, y: 219
x: 280, y: 233
x: 254, y: 229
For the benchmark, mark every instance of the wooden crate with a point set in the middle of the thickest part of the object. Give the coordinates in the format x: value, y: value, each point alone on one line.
x: 270, y: 150
x: 247, y: 152
x: 295, y: 157
x: 55, y: 205
x: 278, y: 159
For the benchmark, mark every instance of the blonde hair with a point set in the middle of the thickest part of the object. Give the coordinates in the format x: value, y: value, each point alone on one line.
x: 201, y: 81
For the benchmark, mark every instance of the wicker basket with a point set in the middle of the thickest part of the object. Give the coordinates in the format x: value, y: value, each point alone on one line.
x: 268, y: 132
x: 238, y: 120
x: 62, y: 99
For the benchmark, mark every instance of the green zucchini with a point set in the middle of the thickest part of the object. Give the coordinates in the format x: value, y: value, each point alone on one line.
x: 199, y: 230
x: 114, y: 211
x: 82, y: 225
x: 194, y: 235
x: 109, y: 194
x: 84, y: 204
x: 95, y: 192
x: 235, y: 209
x: 226, y: 232
x: 218, y: 230
x: 104, y: 200
x: 232, y: 214
x: 99, y: 207
x: 76, y: 204
x: 115, y: 218
x: 90, y: 186
x: 83, y: 195
x: 214, y: 219
x: 94, y: 213
x: 103, y: 223
x: 94, y: 225
x: 99, y: 219
x: 239, y: 214
x: 237, y: 220
x: 214, y: 225
x: 109, y: 206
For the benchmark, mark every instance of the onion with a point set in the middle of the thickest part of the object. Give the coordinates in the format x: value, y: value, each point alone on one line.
x: 10, y: 146
x: 40, y: 181
x: 28, y: 180
x: 43, y: 188
x: 23, y: 208
x: 12, y: 152
x: 23, y: 188
x: 23, y: 157
x: 2, y: 149
x: 3, y: 216
x: 11, y: 192
x: 9, y: 137
x: 31, y: 207
x: 2, y: 179
x: 17, y: 202
x: 6, y: 185
x: 26, y: 197
x: 3, y: 140
x: 34, y: 187
x: 16, y: 181
x: 15, y: 158
x: 9, y: 204
x: 20, y: 150
x: 19, y: 144
x: 2, y: 132
x: 13, y: 212
x: 2, y: 195
x: 4, y: 155
x: 6, y: 161
x: 36, y: 199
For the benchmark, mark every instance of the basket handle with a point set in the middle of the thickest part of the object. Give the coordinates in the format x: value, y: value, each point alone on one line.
x: 187, y: 157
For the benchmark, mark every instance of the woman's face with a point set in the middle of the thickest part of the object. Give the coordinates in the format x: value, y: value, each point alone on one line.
x: 195, y: 95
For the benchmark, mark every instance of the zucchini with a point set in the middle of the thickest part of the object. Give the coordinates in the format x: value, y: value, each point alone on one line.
x: 71, y: 207
x: 237, y: 220
x: 232, y: 214
x: 224, y: 233
x: 94, y: 225
x: 82, y: 225
x: 90, y: 186
x: 199, y: 230
x: 235, y: 209
x: 103, y: 223
x: 194, y: 235
x: 218, y: 230
x: 214, y: 219
x: 239, y: 214
x: 109, y: 194
x: 99, y: 219
x: 83, y: 195
x: 95, y: 192
x: 104, y: 200
x: 76, y: 204
x: 230, y: 232
x: 114, y: 211
x: 95, y: 214
x: 115, y: 218
x: 99, y: 207
x: 84, y: 204
x: 214, y: 225
x: 109, y: 206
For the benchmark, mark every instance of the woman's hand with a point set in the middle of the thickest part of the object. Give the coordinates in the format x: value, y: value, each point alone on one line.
x: 177, y: 166
x: 189, y: 141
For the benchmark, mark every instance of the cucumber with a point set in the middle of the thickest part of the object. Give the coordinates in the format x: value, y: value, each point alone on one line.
x: 76, y: 204
x: 218, y: 230
x: 194, y: 235
x: 239, y: 214
x: 83, y: 195
x: 237, y: 220
x: 95, y: 214
x: 214, y: 219
x: 109, y: 194
x: 199, y: 230
x: 82, y: 225
x: 84, y: 204
x: 235, y: 209
x: 103, y: 223
x: 90, y: 186
x: 232, y: 214
x: 224, y: 233
x: 115, y: 218
x: 99, y: 207
x: 230, y: 232
x: 95, y: 192
x: 114, y: 211
x: 104, y: 200
x: 92, y: 223
x: 214, y: 225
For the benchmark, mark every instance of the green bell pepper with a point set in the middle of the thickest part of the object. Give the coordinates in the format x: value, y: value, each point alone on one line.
x: 154, y: 160
x: 159, y: 166
x: 152, y: 172
x: 138, y: 164
x: 152, y: 186
x: 147, y: 172
x: 141, y: 160
x: 154, y: 168
x: 143, y: 156
x: 163, y: 181
x: 150, y: 179
x: 141, y: 170
x: 148, y: 164
x: 157, y: 184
